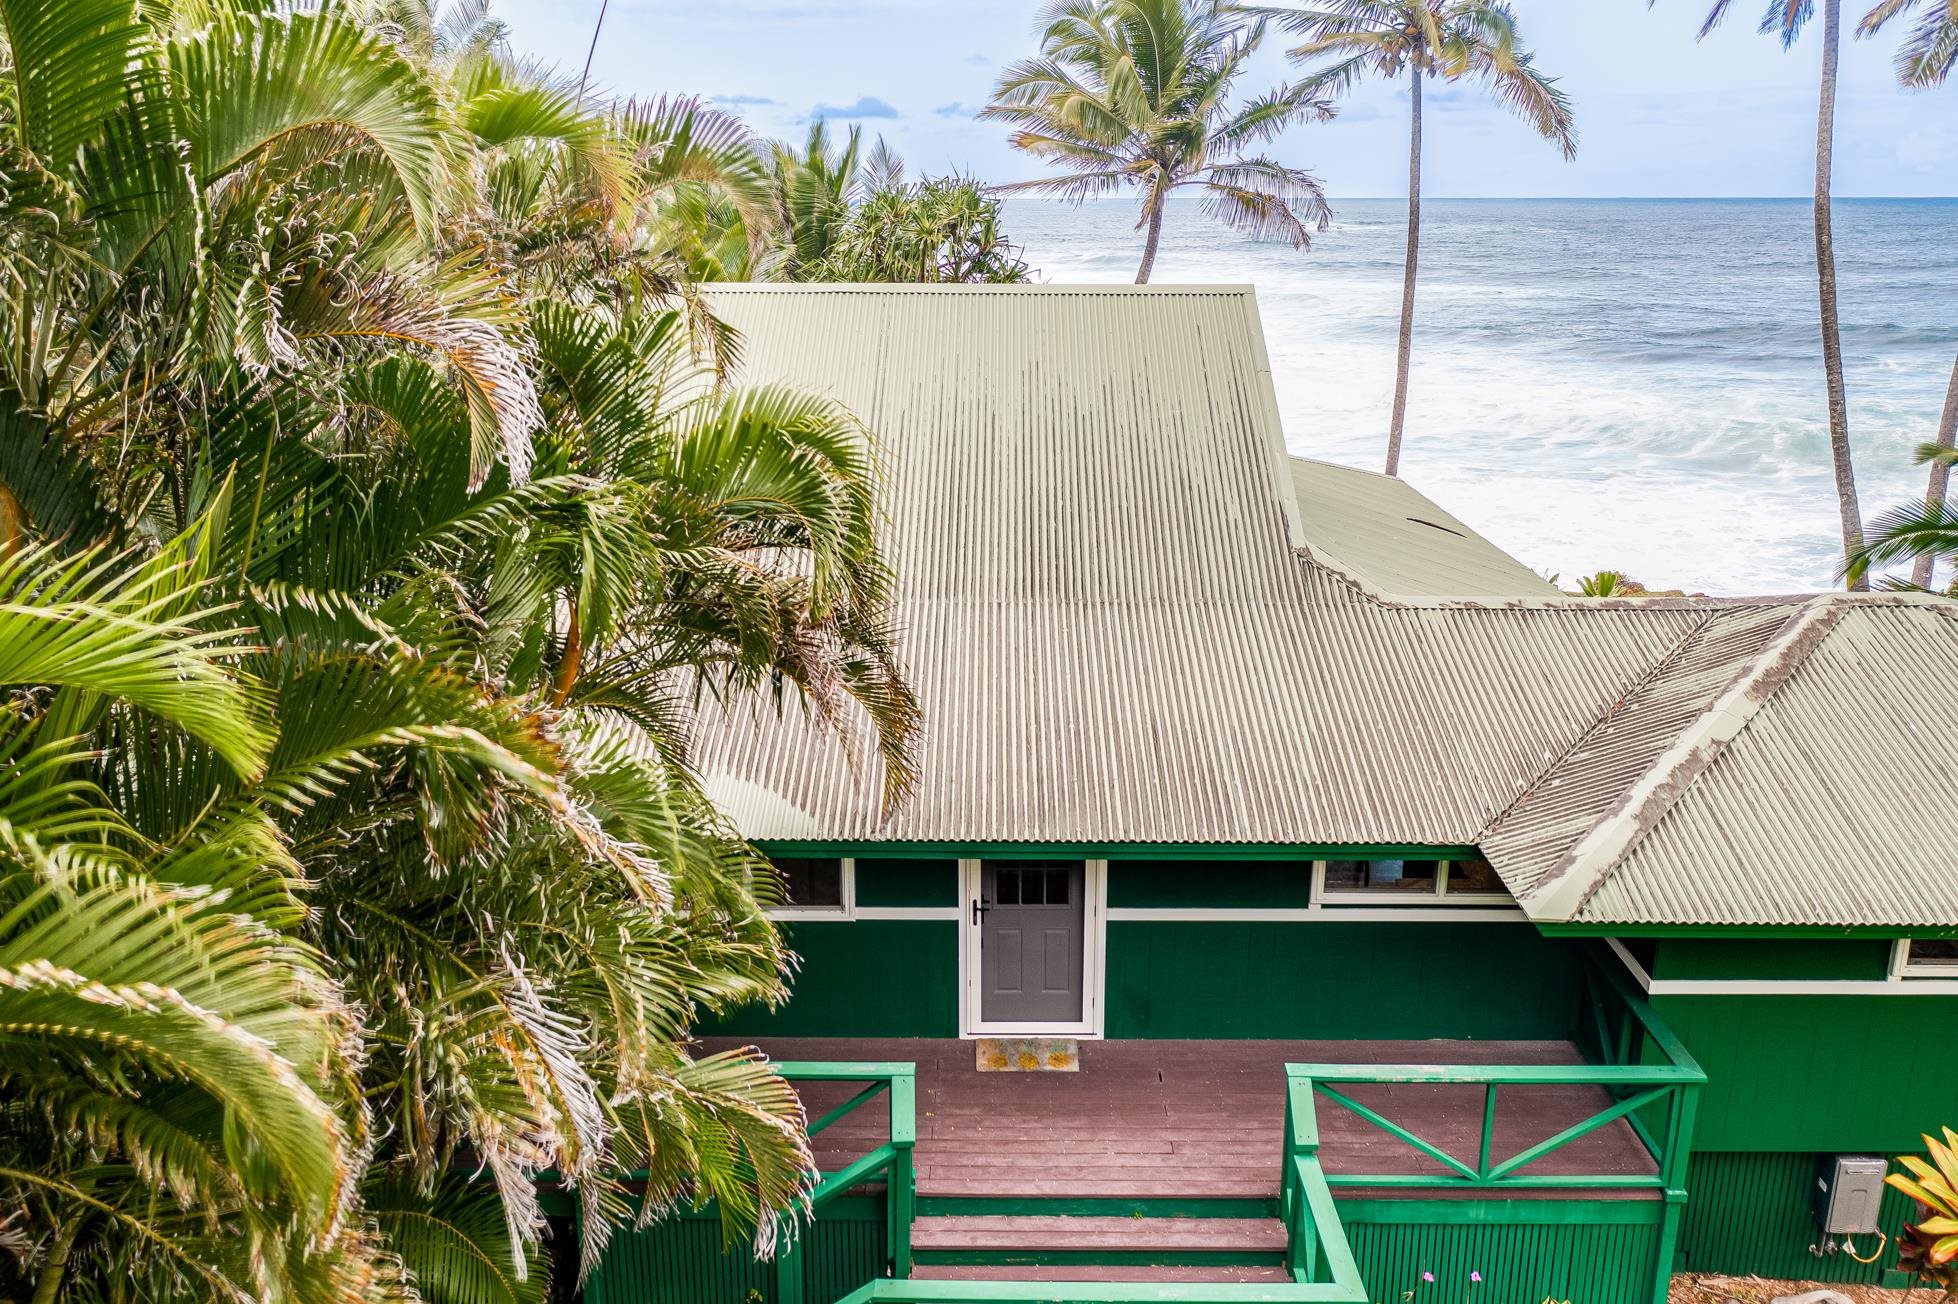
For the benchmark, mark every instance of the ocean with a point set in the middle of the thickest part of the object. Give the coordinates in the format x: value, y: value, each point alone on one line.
x: 1633, y: 385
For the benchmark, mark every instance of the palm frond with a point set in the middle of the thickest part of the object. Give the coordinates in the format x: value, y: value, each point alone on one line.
x: 102, y: 626
x: 1267, y: 199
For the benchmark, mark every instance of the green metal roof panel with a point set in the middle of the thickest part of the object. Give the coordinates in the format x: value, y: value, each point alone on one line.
x: 1128, y: 621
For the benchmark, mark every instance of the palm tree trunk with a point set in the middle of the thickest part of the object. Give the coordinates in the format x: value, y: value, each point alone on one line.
x: 1825, y: 272
x: 1407, y: 282
x: 13, y: 521
x: 1921, y: 571
x: 1155, y: 202
x: 47, y: 1289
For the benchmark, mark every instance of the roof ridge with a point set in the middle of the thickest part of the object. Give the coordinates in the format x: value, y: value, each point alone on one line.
x: 1633, y: 688
x: 1585, y: 867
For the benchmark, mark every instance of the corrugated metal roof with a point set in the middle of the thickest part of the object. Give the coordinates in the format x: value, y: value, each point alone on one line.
x: 1126, y: 624
x: 1779, y: 791
x: 1384, y: 529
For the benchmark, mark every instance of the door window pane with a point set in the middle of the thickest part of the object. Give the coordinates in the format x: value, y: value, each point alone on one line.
x: 1033, y: 882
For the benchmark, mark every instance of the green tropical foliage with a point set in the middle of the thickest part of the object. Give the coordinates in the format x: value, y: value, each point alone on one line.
x: 842, y: 213
x: 941, y: 229
x: 1423, y: 40
x: 1136, y: 95
x: 1608, y: 584
x: 1928, y: 1248
x: 1923, y: 533
x: 373, y: 519
x: 813, y: 190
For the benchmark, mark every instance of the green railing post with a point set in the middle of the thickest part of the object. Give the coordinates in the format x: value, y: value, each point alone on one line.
x: 788, y: 1272
x: 1673, y: 1169
x: 900, y: 1189
x: 891, y: 1161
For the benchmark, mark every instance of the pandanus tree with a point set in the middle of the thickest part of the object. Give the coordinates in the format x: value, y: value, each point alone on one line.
x: 1926, y: 59
x: 1136, y: 95
x: 1420, y: 40
x: 372, y: 520
x: 1784, y: 20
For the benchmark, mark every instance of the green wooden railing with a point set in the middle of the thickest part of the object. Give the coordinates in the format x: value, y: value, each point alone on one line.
x: 1649, y: 1081
x: 1647, y: 1076
x: 1318, y: 1257
x: 889, y: 1162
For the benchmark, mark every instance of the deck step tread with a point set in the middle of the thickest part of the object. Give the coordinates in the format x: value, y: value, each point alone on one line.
x: 1061, y: 1272
x: 1089, y: 1232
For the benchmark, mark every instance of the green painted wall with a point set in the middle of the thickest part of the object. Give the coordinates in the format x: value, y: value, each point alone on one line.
x: 1337, y: 980
x: 1790, y: 958
x: 1805, y: 1073
x: 1749, y: 1213
x: 682, y: 1261
x: 1794, y: 1073
x: 907, y: 881
x: 1521, y: 1262
x: 1164, y: 884
x: 871, y: 978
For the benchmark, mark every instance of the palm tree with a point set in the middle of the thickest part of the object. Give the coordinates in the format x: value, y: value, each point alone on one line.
x: 370, y: 524
x: 813, y: 190
x: 1785, y: 19
x: 1926, y: 59
x: 1423, y: 39
x: 1134, y: 93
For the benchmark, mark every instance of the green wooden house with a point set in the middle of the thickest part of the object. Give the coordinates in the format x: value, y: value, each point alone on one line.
x: 1399, y: 926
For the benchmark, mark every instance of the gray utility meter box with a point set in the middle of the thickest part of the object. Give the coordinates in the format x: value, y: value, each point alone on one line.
x: 1848, y: 1193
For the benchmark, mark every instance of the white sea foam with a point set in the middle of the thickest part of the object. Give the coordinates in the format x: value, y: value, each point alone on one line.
x: 1630, y: 385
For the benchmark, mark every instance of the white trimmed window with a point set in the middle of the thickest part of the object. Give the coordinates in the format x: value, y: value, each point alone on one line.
x: 1926, y: 957
x: 1407, y: 882
x: 816, y: 887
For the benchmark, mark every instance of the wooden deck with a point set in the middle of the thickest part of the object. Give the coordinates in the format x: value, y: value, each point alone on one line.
x: 1168, y: 1120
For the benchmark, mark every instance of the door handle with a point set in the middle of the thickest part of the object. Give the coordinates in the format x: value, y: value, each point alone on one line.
x: 979, y: 907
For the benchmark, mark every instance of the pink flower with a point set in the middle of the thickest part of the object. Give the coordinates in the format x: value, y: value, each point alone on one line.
x: 1476, y: 1275
x: 1427, y: 1276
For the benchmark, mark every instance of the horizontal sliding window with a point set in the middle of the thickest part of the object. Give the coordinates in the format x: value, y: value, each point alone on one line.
x: 814, y: 885
x: 1407, y: 882
x: 1929, y: 957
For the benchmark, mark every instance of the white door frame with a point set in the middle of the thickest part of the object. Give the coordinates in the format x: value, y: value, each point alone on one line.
x: 1094, y: 922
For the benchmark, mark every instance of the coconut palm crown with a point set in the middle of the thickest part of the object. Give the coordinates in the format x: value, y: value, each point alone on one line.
x: 1135, y: 94
x: 1448, y: 39
x: 1930, y: 51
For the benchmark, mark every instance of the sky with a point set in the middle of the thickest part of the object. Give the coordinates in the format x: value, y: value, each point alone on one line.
x: 1658, y: 114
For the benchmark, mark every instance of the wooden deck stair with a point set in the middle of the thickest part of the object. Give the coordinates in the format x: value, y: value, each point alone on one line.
x: 1080, y: 1242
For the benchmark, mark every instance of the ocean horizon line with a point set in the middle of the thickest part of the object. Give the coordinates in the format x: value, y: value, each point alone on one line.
x: 1117, y: 200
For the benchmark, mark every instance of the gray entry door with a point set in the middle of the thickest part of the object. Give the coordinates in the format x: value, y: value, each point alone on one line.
x: 1030, y: 941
